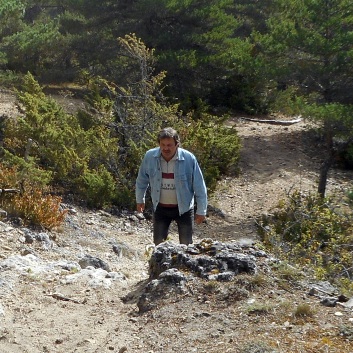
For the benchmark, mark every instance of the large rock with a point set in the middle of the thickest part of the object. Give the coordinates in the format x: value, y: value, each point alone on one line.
x: 170, y: 283
x: 173, y: 266
x: 207, y: 259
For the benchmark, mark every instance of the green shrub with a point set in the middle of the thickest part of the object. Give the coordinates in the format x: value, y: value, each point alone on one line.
x: 97, y: 187
x: 257, y: 347
x: 259, y: 308
x: 24, y: 170
x: 125, y: 196
x: 215, y: 145
x: 307, y: 230
x: 303, y: 310
x: 346, y: 331
x: 350, y: 196
x: 286, y: 272
x: 8, y: 78
x: 47, y: 139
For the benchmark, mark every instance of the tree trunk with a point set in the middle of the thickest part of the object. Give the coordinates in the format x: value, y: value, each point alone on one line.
x: 329, y: 158
x: 326, y: 165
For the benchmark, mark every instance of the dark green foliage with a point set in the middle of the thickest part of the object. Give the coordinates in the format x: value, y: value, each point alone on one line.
x: 238, y: 54
x: 9, y: 79
x: 30, y: 43
x: 308, y: 44
x: 11, y: 14
x: 347, y: 157
x: 125, y: 195
x: 194, y: 43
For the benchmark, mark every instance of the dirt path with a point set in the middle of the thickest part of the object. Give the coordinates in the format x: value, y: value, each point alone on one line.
x: 7, y: 103
x: 275, y: 160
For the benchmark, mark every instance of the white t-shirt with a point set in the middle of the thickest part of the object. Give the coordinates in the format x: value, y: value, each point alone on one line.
x: 168, y: 193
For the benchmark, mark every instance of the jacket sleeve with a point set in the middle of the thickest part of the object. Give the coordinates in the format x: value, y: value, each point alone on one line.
x: 200, y: 190
x: 142, y: 182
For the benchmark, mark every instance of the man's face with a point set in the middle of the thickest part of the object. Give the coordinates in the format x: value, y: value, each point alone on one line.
x: 168, y: 148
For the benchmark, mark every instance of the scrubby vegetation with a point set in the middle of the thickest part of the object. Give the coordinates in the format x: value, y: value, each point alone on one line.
x: 187, y: 65
x: 31, y: 203
x: 308, y: 230
x: 94, y: 155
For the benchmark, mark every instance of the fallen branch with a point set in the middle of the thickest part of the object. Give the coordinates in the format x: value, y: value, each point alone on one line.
x: 62, y: 297
x: 9, y: 191
x: 274, y: 122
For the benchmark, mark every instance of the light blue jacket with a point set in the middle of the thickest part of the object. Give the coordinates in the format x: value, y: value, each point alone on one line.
x: 189, y: 183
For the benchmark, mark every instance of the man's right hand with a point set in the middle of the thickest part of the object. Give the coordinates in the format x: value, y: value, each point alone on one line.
x: 140, y: 207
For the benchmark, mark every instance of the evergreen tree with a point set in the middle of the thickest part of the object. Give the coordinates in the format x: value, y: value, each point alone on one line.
x: 309, y: 44
x: 194, y: 42
x: 29, y: 37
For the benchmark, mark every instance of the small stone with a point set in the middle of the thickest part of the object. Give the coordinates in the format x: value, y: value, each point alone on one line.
x: 133, y: 218
x: 72, y: 211
x: 140, y: 216
x: 329, y: 302
x: 95, y: 262
x: 27, y: 251
x: 2, y: 311
x: 29, y: 238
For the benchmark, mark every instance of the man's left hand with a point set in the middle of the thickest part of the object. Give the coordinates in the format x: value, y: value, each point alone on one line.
x: 199, y: 219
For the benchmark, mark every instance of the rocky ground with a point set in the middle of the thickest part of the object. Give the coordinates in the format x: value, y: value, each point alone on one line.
x: 77, y: 289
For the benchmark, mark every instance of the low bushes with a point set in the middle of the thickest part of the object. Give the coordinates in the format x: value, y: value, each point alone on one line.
x: 306, y: 229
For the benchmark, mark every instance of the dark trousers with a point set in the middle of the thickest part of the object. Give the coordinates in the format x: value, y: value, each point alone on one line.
x: 163, y: 217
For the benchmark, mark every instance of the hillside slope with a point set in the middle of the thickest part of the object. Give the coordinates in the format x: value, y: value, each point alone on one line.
x: 52, y: 301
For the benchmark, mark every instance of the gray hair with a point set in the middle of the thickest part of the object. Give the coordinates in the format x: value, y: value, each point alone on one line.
x: 167, y: 133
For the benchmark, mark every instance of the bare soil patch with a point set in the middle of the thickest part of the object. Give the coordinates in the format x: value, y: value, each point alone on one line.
x: 275, y: 160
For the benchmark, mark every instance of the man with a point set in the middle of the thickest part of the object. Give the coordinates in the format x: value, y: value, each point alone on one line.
x: 176, y: 182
